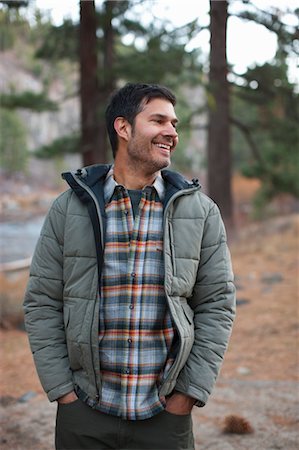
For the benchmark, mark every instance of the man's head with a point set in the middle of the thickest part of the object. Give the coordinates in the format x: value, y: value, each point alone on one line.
x: 129, y: 101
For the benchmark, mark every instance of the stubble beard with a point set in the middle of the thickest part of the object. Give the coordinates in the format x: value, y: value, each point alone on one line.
x: 140, y: 162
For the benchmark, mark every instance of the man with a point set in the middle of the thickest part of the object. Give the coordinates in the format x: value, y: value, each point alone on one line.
x: 130, y: 302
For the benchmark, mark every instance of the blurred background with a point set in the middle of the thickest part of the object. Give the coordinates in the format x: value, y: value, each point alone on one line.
x: 234, y: 69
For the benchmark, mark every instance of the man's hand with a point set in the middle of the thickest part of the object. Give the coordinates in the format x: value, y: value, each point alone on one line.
x: 68, y: 398
x: 179, y: 404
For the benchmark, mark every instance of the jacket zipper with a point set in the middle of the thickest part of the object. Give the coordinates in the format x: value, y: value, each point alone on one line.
x: 89, y: 191
x: 175, y: 364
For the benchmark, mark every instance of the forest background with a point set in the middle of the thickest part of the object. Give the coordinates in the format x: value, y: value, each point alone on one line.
x: 238, y: 135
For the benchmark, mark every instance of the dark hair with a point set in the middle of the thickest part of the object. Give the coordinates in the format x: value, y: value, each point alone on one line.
x: 128, y: 101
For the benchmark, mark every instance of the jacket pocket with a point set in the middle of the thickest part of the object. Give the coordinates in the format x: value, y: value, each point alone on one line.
x: 73, y: 346
x: 187, y: 310
x: 189, y: 316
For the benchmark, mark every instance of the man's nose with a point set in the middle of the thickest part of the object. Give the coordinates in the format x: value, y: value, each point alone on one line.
x: 170, y: 131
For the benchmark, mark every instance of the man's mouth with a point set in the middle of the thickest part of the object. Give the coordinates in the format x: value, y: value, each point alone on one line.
x: 167, y: 147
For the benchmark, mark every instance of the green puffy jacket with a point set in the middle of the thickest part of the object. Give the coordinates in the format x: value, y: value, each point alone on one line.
x: 62, y: 298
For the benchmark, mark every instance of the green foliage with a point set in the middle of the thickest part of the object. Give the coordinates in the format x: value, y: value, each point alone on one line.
x: 7, y: 37
x: 265, y: 108
x: 14, y: 3
x: 162, y: 59
x: 279, y: 167
x: 269, y: 105
x: 60, y: 42
x: 28, y: 100
x: 12, y: 26
x: 13, y: 151
x: 60, y: 146
x: 157, y: 52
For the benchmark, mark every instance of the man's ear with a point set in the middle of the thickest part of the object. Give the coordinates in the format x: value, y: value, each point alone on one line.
x: 122, y: 128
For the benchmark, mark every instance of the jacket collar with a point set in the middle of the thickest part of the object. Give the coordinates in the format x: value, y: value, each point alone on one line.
x: 177, y: 180
x: 94, y: 176
x: 111, y: 183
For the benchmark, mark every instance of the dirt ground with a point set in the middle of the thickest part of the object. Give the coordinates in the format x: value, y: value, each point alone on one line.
x: 259, y: 378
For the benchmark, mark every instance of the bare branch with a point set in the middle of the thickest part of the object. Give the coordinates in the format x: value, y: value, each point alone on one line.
x: 247, y: 134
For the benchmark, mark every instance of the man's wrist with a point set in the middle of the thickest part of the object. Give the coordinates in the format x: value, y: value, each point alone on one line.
x: 190, y: 399
x: 179, y: 403
x: 68, y: 398
x: 196, y: 402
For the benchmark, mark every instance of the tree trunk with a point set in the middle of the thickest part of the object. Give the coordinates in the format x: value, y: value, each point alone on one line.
x: 90, y: 137
x: 109, y: 77
x: 106, y: 76
x: 219, y: 158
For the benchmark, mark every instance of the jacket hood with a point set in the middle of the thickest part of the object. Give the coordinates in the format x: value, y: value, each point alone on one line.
x: 98, y: 172
x: 178, y: 181
x: 90, y: 174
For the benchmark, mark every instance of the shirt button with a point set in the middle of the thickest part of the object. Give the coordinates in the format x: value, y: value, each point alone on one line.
x: 127, y: 371
x: 133, y: 274
x: 130, y: 341
x: 131, y: 306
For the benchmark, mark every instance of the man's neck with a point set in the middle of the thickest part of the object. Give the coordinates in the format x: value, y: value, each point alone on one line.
x: 133, y: 179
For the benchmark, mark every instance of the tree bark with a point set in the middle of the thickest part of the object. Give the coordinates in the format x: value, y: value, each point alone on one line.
x: 219, y: 158
x: 109, y: 77
x: 90, y: 137
x: 106, y: 76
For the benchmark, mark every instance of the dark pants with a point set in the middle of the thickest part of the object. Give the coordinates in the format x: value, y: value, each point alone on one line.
x: 78, y: 426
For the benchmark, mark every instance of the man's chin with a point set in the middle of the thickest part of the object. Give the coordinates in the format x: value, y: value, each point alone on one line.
x: 160, y: 167
x: 157, y: 165
x: 164, y: 163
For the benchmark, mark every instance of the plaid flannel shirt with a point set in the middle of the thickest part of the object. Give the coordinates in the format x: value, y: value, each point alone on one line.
x: 136, y: 332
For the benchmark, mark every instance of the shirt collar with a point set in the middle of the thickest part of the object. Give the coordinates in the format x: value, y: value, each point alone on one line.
x: 110, y: 184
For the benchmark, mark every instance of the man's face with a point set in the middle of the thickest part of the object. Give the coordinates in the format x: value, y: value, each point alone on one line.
x: 153, y: 137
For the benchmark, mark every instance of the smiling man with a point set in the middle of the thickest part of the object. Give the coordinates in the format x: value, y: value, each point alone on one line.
x: 145, y: 146
x: 130, y: 302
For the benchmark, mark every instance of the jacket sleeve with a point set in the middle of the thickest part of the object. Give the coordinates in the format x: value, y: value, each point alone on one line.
x: 43, y: 307
x: 213, y: 303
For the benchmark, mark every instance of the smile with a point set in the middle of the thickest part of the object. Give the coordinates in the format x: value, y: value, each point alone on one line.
x: 164, y: 146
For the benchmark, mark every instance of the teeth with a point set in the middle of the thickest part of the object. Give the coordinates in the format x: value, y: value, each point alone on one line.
x: 167, y: 147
